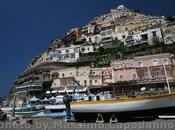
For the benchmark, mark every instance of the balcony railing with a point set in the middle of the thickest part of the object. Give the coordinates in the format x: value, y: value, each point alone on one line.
x: 95, y: 75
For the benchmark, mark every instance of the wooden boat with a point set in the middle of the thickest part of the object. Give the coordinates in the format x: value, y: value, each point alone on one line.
x: 124, y: 108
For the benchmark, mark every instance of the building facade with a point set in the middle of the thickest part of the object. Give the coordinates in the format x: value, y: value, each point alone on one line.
x: 144, y: 68
x: 169, y: 33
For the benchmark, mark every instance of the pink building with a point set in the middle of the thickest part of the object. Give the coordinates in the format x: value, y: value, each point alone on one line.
x: 106, y: 75
x: 144, y: 68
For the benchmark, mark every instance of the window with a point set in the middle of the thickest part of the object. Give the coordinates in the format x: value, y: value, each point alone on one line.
x: 116, y: 66
x: 90, y: 40
x: 85, y: 82
x: 134, y: 76
x: 155, y: 62
x: 103, y: 34
x: 62, y: 74
x: 140, y: 63
x: 83, y: 49
x: 156, y: 74
x: 90, y: 82
x: 146, y: 74
x: 122, y: 77
x: 166, y: 61
x: 67, y: 51
x: 95, y: 81
x: 131, y: 65
x: 127, y: 65
x: 108, y: 32
x: 154, y: 34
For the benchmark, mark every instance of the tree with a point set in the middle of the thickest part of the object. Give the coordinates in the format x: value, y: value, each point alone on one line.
x: 101, y: 50
x: 171, y: 18
x: 46, y: 85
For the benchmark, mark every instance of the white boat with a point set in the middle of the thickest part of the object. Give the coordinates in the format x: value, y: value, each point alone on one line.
x: 27, y: 110
x: 54, y: 107
x: 6, y: 110
x: 57, y: 104
x: 124, y: 108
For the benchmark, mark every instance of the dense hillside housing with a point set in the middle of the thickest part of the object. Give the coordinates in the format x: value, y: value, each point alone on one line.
x: 79, y: 56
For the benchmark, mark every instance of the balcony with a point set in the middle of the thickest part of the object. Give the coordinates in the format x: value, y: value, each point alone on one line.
x: 118, y: 67
x: 95, y: 75
x: 152, y: 78
x: 143, y: 40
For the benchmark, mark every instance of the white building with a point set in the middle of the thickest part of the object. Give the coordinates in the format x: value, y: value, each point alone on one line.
x: 107, y: 33
x: 93, y: 39
x: 169, y: 33
x: 84, y: 49
x: 66, y: 54
x: 148, y: 36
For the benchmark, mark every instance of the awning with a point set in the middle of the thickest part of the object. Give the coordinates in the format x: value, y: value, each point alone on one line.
x: 79, y: 90
x: 85, y: 89
x: 54, y: 91
x: 34, y: 99
x: 69, y: 90
x: 48, y: 92
x: 62, y: 91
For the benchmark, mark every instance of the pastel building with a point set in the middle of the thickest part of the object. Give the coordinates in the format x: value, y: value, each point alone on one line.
x: 68, y: 78
x: 144, y: 68
x: 95, y: 77
x: 106, y: 76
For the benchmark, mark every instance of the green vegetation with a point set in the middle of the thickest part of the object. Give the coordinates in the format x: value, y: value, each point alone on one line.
x: 46, y: 86
x: 171, y: 18
x: 104, y: 57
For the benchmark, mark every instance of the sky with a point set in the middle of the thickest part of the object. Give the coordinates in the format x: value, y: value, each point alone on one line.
x: 28, y: 26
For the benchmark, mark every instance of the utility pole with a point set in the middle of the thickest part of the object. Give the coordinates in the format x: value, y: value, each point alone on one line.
x: 166, y: 76
x: 14, y: 105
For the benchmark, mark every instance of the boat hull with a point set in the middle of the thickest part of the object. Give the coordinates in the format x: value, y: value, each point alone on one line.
x: 56, y: 108
x: 133, y: 107
x: 123, y: 116
x: 26, y: 114
x: 24, y: 111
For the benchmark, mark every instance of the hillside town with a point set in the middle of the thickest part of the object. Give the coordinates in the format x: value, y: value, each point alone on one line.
x: 121, y: 51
